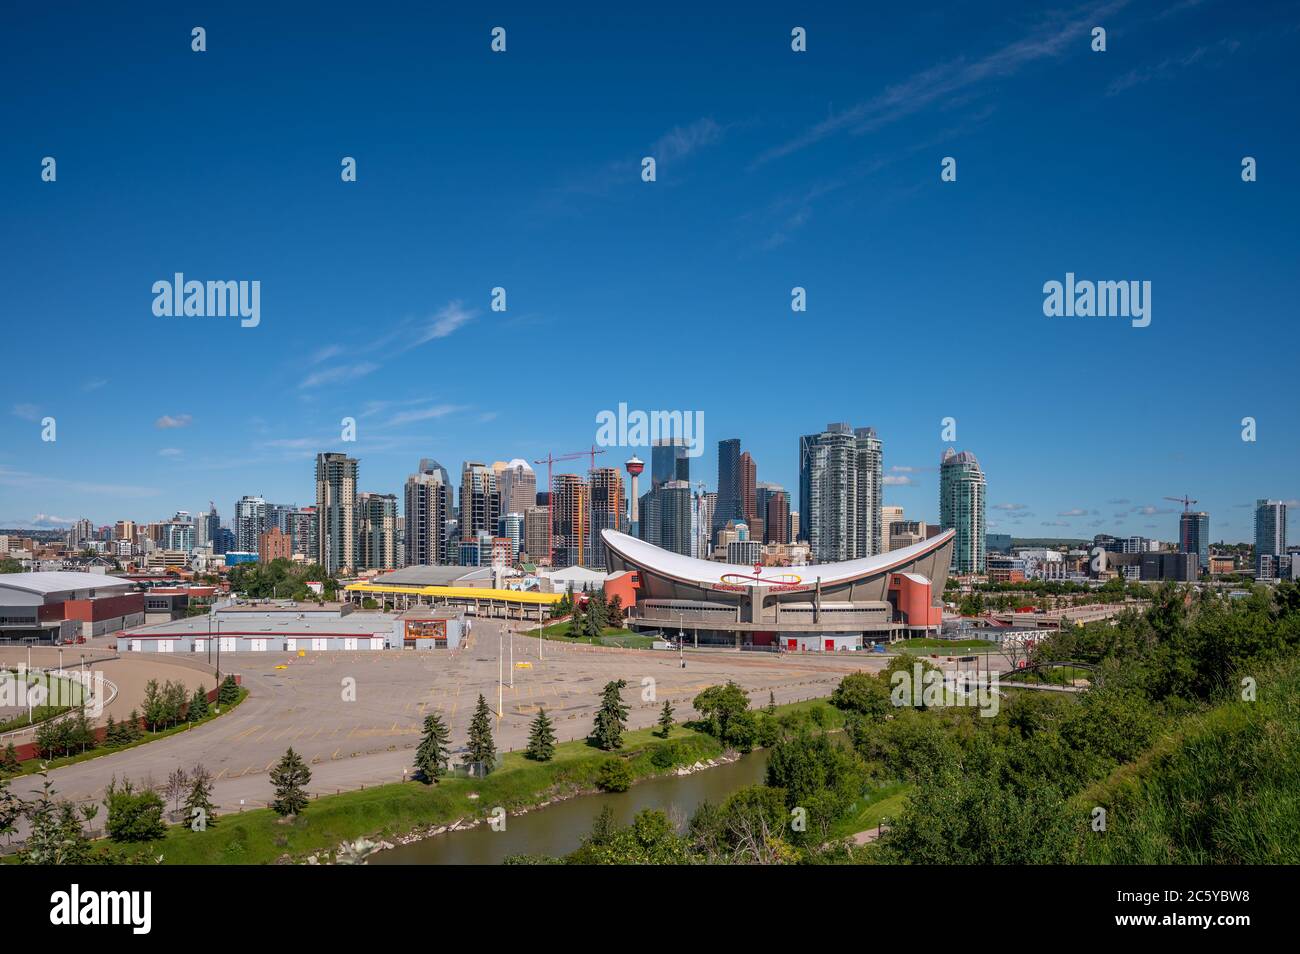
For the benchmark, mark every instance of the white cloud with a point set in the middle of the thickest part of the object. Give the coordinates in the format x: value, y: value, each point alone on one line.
x: 342, y: 372
x: 166, y: 422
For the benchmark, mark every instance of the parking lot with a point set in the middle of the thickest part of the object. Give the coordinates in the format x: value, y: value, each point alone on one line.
x: 356, y: 716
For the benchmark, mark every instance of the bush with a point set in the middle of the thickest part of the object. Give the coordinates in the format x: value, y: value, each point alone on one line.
x: 132, y: 815
x: 614, y: 776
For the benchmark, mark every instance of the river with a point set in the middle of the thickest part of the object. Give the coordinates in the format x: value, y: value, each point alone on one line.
x: 558, y: 829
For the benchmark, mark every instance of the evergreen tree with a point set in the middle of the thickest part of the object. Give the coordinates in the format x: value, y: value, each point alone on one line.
x: 481, y: 748
x: 666, y: 719
x: 229, y: 692
x: 200, y: 814
x: 771, y: 702
x: 541, y: 738
x: 131, y: 729
x: 290, y: 778
x: 431, y: 756
x: 611, y: 717
x: 198, y: 705
x: 616, y: 615
x: 9, y: 761
x: 112, y: 732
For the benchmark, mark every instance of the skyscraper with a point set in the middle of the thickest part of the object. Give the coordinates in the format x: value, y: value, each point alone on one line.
x: 840, y: 490
x: 776, y: 516
x: 428, y: 500
x: 748, y: 487
x: 1194, y: 536
x: 518, y: 485
x: 870, y: 475
x: 961, y: 508
x: 607, y: 511
x: 570, y: 520
x: 537, y: 532
x: 729, y: 505
x: 377, y: 531
x: 250, y: 523
x: 480, y: 500
x: 668, y: 461
x: 336, y: 511
x: 1270, y: 532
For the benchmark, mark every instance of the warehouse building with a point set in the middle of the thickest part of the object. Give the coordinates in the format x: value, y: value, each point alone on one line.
x: 286, y: 627
x: 53, y: 607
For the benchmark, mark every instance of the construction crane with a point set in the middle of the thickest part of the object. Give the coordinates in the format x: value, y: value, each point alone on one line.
x: 550, y: 461
x: 1185, y: 500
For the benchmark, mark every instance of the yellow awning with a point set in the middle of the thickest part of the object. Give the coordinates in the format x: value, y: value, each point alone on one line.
x: 460, y: 593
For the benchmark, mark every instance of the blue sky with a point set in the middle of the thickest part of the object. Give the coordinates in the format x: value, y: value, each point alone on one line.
x: 775, y: 169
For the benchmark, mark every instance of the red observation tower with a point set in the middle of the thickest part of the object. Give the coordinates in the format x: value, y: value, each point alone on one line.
x: 634, y: 467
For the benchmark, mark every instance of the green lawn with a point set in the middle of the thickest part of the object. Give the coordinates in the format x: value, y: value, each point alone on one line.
x: 609, y: 636
x: 953, y: 645
x: 873, y: 807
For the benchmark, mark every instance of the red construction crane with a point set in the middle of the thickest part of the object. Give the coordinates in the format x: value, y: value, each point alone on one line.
x: 1185, y: 500
x: 550, y: 460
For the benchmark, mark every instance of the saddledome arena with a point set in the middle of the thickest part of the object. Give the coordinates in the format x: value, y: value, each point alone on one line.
x: 824, y: 607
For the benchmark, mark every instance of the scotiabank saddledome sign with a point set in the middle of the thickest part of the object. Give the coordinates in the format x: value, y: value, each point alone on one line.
x: 740, y: 582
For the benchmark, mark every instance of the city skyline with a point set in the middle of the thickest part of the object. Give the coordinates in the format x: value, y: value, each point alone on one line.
x: 798, y: 173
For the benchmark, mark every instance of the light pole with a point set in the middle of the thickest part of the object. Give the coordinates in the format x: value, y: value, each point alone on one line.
x: 500, y: 680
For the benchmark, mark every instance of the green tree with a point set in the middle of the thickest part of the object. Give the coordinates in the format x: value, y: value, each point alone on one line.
x: 864, y: 694
x: 290, y: 778
x: 200, y: 814
x: 719, y: 705
x: 132, y: 815
x: 665, y: 719
x: 56, y: 835
x: 9, y: 764
x: 611, y: 717
x: 541, y: 738
x: 229, y: 692
x: 434, y: 750
x: 198, y: 708
x: 481, y: 751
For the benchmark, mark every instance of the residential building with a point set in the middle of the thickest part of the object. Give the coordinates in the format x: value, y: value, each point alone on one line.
x: 336, y: 511
x: 1270, y: 535
x: 428, y: 507
x: 962, y: 501
x: 376, y: 531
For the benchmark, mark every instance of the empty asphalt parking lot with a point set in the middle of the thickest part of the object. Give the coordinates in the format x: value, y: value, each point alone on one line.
x: 356, y: 716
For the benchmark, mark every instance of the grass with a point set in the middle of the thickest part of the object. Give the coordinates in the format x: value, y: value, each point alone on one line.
x: 1221, y: 788
x: 389, y: 811
x: 1056, y: 676
x: 609, y: 636
x: 873, y: 807
x: 32, y: 766
x: 945, y: 644
x: 395, y: 809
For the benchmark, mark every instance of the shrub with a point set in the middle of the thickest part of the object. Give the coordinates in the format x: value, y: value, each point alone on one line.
x: 614, y: 776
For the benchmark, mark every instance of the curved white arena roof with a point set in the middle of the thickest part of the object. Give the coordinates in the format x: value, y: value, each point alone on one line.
x: 59, y: 581
x: 706, y: 572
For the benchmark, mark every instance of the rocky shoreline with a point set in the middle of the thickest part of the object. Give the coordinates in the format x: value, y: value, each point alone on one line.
x: 356, y: 852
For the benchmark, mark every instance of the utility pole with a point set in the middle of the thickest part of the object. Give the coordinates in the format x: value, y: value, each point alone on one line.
x: 500, y: 681
x: 512, y: 659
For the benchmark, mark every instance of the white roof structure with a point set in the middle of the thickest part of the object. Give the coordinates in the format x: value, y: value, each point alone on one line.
x: 706, y: 573
x: 61, y: 582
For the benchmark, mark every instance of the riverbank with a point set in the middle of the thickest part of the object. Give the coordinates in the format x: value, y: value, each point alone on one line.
x: 387, y: 813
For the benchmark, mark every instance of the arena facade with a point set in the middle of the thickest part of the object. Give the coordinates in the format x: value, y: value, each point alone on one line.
x: 823, y: 607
